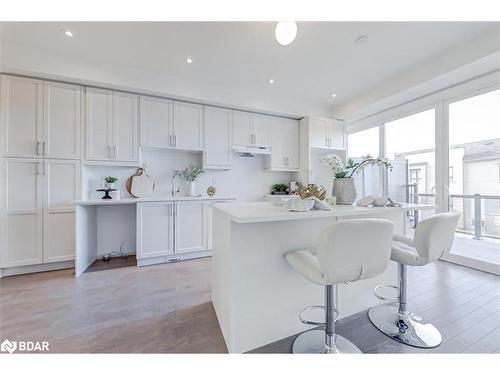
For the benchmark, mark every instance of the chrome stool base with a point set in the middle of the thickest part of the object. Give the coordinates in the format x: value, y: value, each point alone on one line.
x: 313, y: 341
x: 409, y: 329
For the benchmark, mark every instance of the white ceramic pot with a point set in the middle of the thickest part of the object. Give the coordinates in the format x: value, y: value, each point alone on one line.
x: 191, y: 188
x: 344, y: 190
x: 110, y: 185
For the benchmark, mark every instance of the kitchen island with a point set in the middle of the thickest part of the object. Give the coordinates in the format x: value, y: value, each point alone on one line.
x: 256, y: 295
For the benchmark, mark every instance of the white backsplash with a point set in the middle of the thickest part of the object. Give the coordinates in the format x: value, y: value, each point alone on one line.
x: 247, y: 180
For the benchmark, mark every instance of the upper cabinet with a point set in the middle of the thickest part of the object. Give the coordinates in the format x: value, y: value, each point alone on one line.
x: 188, y: 126
x: 326, y: 133
x: 40, y: 119
x: 218, y: 147
x: 171, y: 125
x: 284, y: 145
x: 250, y: 129
x: 157, y: 117
x: 112, y: 126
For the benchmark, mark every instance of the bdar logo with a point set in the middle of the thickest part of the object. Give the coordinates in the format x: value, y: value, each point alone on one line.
x: 8, y: 346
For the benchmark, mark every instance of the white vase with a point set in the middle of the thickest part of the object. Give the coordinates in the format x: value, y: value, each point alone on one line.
x: 345, y: 190
x: 191, y: 188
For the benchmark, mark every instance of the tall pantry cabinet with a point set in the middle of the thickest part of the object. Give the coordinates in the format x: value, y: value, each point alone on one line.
x: 40, y: 132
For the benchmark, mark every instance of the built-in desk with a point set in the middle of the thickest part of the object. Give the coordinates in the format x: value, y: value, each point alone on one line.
x: 257, y: 296
x: 157, y: 230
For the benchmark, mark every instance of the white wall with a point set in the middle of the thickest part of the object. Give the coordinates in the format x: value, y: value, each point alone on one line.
x: 247, y: 180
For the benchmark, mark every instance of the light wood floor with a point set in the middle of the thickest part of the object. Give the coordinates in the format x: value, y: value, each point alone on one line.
x: 167, y: 309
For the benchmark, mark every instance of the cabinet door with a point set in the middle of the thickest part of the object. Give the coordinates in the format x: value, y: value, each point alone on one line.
x: 98, y: 105
x: 155, y: 229
x: 61, y: 188
x: 21, y: 117
x: 156, y: 122
x: 277, y: 144
x: 318, y: 132
x: 188, y: 126
x: 21, y: 212
x: 242, y: 128
x: 261, y: 130
x: 125, y: 130
x: 291, y: 134
x: 61, y: 120
x: 189, y: 227
x: 218, y: 148
x: 336, y: 134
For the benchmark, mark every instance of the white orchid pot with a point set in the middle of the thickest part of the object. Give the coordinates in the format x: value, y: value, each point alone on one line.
x: 344, y: 190
x: 191, y: 188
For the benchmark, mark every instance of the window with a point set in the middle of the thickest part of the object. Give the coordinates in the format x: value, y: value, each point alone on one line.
x: 363, y: 143
x: 414, y: 176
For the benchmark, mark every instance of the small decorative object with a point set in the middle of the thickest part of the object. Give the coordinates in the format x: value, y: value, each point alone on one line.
x: 115, y: 194
x: 106, y: 193
x: 343, y: 184
x: 380, y: 201
x: 211, y: 191
x: 189, y: 175
x: 377, y: 202
x: 293, y: 188
x: 312, y: 190
x: 279, y: 189
x: 110, y: 182
x: 140, y: 185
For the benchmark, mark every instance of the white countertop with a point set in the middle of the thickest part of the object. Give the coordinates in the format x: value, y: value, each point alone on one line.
x: 256, y: 212
x: 99, y: 202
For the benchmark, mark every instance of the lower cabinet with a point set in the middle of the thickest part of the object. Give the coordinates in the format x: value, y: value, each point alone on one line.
x: 171, y: 228
x: 37, y: 212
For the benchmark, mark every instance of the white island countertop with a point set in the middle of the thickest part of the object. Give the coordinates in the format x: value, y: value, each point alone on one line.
x: 98, y: 202
x: 257, y: 212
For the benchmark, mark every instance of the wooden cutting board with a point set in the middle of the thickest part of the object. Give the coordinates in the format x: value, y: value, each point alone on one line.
x: 140, y: 185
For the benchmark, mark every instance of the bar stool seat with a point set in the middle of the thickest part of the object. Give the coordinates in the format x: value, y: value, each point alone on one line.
x: 433, y: 238
x: 347, y: 251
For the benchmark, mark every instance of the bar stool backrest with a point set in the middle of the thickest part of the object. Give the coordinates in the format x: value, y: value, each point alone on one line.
x: 352, y: 250
x: 434, y: 236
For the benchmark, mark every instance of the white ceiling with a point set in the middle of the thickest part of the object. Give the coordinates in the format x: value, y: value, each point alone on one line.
x: 232, y: 62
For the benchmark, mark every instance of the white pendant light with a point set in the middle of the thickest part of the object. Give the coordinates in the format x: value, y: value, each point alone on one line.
x: 285, y: 32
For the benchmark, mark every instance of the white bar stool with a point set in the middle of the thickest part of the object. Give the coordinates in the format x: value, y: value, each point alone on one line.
x: 347, y: 251
x: 433, y: 238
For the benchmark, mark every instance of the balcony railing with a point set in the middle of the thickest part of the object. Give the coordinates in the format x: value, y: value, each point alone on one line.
x: 476, y: 220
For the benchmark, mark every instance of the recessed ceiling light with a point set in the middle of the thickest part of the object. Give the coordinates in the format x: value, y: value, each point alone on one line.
x: 68, y: 33
x: 189, y: 60
x: 334, y: 95
x: 271, y: 81
x: 362, y: 39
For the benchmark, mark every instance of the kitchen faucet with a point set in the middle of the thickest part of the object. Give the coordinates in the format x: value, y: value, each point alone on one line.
x: 173, y: 191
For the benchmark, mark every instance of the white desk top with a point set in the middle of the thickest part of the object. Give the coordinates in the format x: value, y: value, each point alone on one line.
x: 256, y: 212
x: 103, y: 202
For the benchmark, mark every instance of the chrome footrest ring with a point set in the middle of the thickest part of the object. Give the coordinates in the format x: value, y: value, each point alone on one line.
x: 314, y: 323
x: 383, y: 298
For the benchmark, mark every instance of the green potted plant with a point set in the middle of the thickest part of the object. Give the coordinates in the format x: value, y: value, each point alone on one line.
x: 110, y: 182
x: 279, y: 189
x: 189, y: 175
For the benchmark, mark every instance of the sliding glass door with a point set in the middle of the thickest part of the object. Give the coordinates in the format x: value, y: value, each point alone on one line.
x: 474, y: 178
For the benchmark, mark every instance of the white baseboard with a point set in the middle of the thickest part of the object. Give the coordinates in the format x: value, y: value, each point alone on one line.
x: 11, y: 271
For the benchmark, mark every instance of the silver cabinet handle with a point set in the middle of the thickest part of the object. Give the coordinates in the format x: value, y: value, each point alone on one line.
x: 37, y: 147
x: 175, y: 140
x: 114, y: 152
x: 43, y: 150
x: 109, y: 151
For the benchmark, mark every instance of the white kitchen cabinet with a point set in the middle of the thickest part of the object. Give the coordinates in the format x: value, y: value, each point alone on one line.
x: 284, y: 145
x: 218, y: 145
x: 21, y: 212
x: 326, y: 133
x: 251, y: 129
x: 61, y: 187
x: 156, y: 122
x: 188, y: 126
x: 61, y: 120
x: 190, y: 230
x: 38, y: 211
x: 112, y: 126
x: 209, y: 222
x: 21, y: 117
x: 155, y: 229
